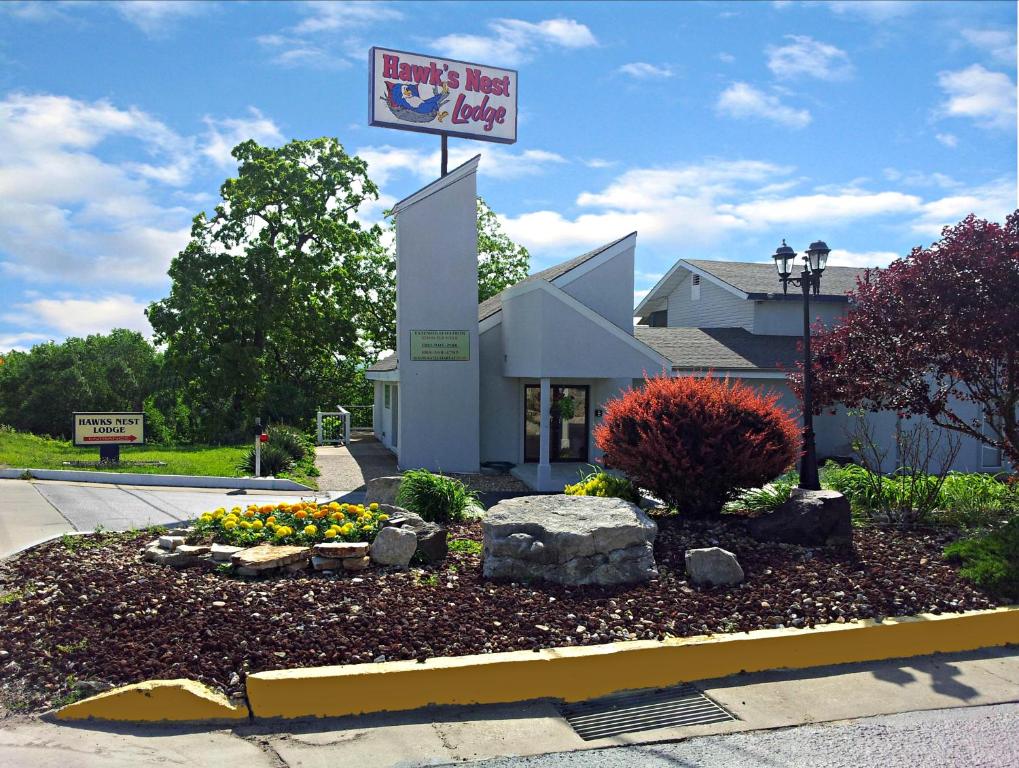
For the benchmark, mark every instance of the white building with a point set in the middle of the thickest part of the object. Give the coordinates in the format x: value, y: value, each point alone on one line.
x: 562, y: 342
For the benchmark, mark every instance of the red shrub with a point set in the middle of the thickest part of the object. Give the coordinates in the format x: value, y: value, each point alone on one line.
x: 696, y: 443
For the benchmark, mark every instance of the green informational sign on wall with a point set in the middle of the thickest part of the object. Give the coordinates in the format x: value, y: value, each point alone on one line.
x: 440, y: 345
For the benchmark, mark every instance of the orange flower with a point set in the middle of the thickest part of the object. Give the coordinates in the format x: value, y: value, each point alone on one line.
x: 318, y: 514
x: 300, y: 514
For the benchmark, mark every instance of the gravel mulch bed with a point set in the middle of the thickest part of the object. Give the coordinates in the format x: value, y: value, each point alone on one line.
x: 76, y: 622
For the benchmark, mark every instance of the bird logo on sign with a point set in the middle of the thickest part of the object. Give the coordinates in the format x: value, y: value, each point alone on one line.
x: 406, y: 102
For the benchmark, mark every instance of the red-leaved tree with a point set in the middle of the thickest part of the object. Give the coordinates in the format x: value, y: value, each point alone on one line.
x: 696, y: 443
x: 932, y: 335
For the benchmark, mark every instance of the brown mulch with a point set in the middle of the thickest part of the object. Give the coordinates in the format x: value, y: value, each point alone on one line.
x: 96, y: 617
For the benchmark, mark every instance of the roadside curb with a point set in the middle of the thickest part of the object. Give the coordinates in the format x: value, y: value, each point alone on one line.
x: 170, y: 701
x: 566, y: 674
x: 587, y: 672
x: 171, y: 481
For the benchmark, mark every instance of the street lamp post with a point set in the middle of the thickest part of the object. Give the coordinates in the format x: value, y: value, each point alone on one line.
x: 809, y: 280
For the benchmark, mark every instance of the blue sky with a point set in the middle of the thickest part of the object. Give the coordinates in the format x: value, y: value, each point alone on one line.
x: 713, y: 129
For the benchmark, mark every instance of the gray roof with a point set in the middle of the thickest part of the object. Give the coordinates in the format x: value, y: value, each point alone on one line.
x: 387, y: 363
x: 490, y: 306
x: 720, y: 348
x: 760, y: 280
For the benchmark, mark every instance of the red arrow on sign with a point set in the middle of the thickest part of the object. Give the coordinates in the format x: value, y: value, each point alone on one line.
x: 108, y: 438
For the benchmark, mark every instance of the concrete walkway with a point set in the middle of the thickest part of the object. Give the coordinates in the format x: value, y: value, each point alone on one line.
x: 348, y: 469
x: 763, y: 702
x: 26, y: 517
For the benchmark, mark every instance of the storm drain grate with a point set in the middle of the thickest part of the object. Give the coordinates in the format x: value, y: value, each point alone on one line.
x: 629, y: 713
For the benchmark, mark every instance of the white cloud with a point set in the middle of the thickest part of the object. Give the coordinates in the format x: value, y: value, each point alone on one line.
x: 725, y: 58
x: 950, y: 140
x: 992, y: 201
x: 156, y: 17
x: 804, y: 209
x: 224, y: 134
x: 741, y: 100
x: 82, y: 316
x: 986, y: 97
x: 805, y: 57
x: 68, y: 213
x: 496, y: 162
x: 641, y: 70
x: 920, y: 179
x: 598, y: 162
x: 290, y: 51
x: 332, y: 15
x: 999, y: 44
x: 875, y: 11
x: 512, y: 41
x: 842, y: 258
x: 20, y: 342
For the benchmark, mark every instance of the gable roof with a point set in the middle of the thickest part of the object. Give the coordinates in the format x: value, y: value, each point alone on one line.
x: 760, y: 280
x: 490, y: 306
x: 493, y: 305
x: 721, y: 348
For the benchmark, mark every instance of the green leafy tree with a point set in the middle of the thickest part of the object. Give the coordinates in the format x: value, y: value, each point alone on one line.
x: 41, y: 388
x: 282, y: 296
x: 501, y: 262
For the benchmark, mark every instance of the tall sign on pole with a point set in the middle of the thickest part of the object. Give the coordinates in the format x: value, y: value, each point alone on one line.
x: 427, y: 94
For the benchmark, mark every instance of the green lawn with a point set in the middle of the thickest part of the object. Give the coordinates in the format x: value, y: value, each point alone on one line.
x: 18, y: 449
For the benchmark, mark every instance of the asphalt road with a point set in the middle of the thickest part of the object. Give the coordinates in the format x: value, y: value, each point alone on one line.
x: 974, y: 737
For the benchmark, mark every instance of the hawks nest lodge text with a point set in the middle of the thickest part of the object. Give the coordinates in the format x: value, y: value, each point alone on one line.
x: 472, y: 80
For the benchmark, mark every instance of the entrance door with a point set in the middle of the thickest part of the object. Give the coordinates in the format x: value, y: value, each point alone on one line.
x: 395, y: 401
x: 568, y: 427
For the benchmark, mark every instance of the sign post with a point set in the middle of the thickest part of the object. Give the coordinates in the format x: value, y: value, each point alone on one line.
x: 415, y: 92
x: 109, y: 431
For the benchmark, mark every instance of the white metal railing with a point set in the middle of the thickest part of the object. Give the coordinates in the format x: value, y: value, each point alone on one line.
x: 350, y: 415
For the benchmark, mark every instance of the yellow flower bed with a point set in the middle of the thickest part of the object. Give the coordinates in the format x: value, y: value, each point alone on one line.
x: 301, y: 523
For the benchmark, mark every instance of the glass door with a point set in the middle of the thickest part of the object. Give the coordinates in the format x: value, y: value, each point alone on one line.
x: 568, y: 426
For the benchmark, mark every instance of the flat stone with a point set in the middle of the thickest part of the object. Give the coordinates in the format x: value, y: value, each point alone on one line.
x: 808, y: 518
x: 170, y: 543
x: 222, y: 553
x: 394, y: 546
x: 432, y: 544
x: 193, y: 549
x: 569, y: 540
x: 356, y: 563
x: 161, y: 556
x: 298, y: 565
x: 714, y: 566
x: 242, y: 571
x: 383, y: 489
x: 326, y: 563
x: 266, y: 556
x: 341, y: 549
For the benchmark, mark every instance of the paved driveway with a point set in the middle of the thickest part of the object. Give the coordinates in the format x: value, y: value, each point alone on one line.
x: 33, y: 511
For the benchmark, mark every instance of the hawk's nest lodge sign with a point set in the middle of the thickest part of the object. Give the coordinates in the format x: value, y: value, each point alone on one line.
x: 443, y: 96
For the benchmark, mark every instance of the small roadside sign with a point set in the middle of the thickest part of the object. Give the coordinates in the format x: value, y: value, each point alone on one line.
x: 116, y: 428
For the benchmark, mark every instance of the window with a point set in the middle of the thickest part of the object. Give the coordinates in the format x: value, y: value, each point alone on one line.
x: 990, y: 457
x: 695, y: 287
x: 385, y: 395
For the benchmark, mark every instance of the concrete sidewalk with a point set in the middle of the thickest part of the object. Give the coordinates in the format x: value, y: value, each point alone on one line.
x: 462, y: 734
x: 26, y: 517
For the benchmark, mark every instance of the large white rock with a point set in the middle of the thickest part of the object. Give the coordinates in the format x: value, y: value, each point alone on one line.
x: 569, y: 540
x: 714, y: 566
x: 383, y: 489
x: 394, y: 546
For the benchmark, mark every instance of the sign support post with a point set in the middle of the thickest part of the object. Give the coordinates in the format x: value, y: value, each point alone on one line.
x: 445, y: 155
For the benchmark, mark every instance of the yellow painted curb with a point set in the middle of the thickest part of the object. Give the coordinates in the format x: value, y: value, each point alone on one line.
x: 579, y: 673
x: 175, y: 701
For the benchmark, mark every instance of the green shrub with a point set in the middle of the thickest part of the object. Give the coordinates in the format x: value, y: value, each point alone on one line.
x: 964, y: 499
x: 465, y: 546
x: 274, y: 461
x: 601, y: 483
x: 766, y: 499
x: 437, y: 498
x: 291, y: 440
x: 991, y: 560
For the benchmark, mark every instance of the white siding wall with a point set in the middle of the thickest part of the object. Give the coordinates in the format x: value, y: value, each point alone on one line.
x: 501, y: 417
x: 608, y: 290
x: 785, y: 318
x: 716, y: 308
